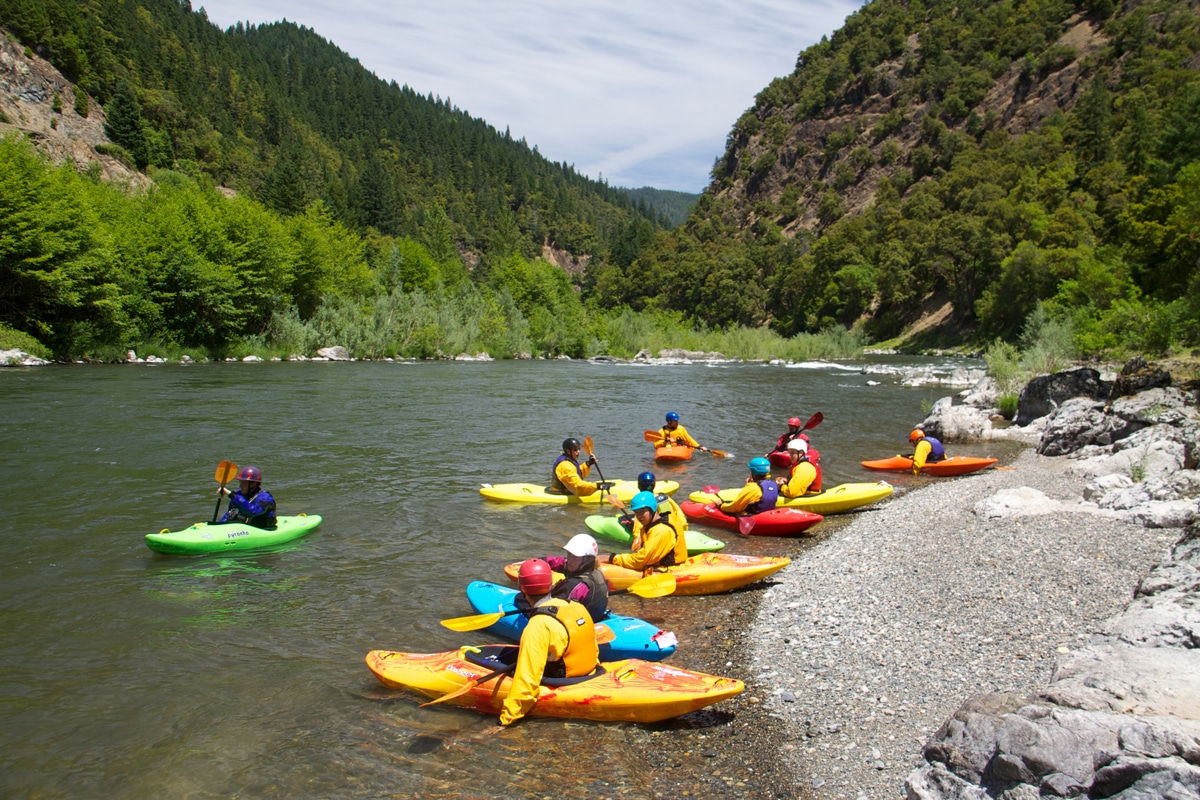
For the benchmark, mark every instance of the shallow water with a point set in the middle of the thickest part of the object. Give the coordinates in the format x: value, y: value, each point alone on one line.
x: 131, y: 674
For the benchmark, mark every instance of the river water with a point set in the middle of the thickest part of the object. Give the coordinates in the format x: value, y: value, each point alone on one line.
x: 132, y: 674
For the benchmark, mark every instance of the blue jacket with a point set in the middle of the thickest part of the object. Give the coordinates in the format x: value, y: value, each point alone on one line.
x: 258, y: 510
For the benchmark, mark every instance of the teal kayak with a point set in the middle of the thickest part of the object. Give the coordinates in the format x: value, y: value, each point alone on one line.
x: 207, y: 537
x: 611, y: 528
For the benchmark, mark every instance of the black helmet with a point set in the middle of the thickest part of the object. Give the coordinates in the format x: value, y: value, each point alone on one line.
x: 646, y: 482
x: 571, y: 444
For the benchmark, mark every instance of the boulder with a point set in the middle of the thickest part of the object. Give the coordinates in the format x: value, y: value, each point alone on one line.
x: 1075, y: 424
x: 1138, y: 376
x: 983, y: 394
x: 335, y: 353
x: 1045, y: 393
x: 19, y: 358
x: 951, y: 423
x: 675, y: 353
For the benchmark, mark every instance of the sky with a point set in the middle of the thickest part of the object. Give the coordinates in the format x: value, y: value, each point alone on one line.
x: 632, y: 93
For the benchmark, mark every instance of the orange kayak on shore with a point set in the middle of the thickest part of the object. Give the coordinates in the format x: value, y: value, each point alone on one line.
x: 958, y: 465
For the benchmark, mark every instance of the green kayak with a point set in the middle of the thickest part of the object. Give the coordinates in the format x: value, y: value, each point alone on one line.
x: 611, y: 528
x: 206, y: 537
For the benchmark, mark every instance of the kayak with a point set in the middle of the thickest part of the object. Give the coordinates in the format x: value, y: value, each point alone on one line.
x: 957, y: 465
x: 630, y: 690
x: 709, y: 573
x: 611, y: 528
x: 536, y: 493
x: 207, y: 537
x: 636, y: 638
x: 673, y: 453
x: 835, y: 500
x: 774, y: 522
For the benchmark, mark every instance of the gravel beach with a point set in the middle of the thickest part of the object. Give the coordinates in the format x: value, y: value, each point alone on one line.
x: 872, y: 638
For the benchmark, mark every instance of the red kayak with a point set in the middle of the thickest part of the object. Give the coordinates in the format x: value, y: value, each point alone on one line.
x: 672, y: 453
x: 781, y: 459
x: 776, y: 522
x: 958, y: 465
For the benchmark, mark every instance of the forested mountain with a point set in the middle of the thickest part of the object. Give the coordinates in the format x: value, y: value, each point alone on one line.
x: 671, y: 206
x: 277, y: 112
x: 980, y: 164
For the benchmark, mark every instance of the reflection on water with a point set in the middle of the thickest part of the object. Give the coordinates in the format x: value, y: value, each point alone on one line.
x: 132, y: 674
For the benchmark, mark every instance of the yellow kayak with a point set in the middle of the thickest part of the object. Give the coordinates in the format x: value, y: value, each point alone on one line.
x: 631, y: 690
x: 834, y: 500
x: 709, y: 573
x: 536, y: 493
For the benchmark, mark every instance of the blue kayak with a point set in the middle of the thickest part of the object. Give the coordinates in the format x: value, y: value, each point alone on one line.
x: 636, y: 638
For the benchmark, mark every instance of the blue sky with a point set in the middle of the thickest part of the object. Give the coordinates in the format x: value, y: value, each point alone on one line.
x: 637, y: 93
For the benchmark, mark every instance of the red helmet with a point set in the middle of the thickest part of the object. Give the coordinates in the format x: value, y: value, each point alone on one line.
x: 916, y: 435
x: 535, y: 577
x: 249, y: 474
x: 795, y: 422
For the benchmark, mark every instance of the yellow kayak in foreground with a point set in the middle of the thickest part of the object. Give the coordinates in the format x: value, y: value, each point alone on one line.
x: 536, y: 493
x: 631, y: 690
x: 834, y: 500
x: 709, y: 573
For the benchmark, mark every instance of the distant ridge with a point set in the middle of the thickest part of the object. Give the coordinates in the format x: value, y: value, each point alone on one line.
x: 671, y: 206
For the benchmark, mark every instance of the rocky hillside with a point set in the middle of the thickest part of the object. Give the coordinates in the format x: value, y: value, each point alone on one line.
x: 29, y: 86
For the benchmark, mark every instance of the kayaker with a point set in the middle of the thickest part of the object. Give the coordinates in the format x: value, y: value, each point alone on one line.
x: 558, y: 642
x: 584, y: 582
x: 759, y: 493
x: 661, y: 545
x: 251, y: 503
x: 569, y: 476
x: 673, y: 433
x: 667, y: 507
x: 805, y: 477
x: 928, y: 450
x: 795, y: 431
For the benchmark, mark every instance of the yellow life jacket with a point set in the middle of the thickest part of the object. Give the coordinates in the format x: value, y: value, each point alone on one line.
x: 582, y: 653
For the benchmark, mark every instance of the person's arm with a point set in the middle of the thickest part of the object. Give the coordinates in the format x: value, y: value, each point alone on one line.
x: 658, y: 542
x: 801, y: 479
x: 922, y: 452
x: 536, y: 641
x: 750, y: 493
x: 261, y: 504
x: 570, y: 478
x: 686, y: 437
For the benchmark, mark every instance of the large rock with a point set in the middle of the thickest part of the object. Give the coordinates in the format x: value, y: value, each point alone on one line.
x: 1075, y: 424
x: 1138, y: 376
x: 951, y: 423
x: 19, y: 358
x: 1045, y: 393
x: 335, y: 353
x: 676, y: 354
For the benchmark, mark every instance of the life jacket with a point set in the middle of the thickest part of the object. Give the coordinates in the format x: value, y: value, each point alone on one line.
x: 770, y: 495
x: 556, y: 486
x: 265, y: 519
x: 813, y: 487
x: 938, y: 453
x: 582, y: 653
x: 669, y: 560
x: 669, y: 436
x: 597, y: 597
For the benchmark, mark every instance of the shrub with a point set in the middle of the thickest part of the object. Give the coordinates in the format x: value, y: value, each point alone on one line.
x: 1007, y: 403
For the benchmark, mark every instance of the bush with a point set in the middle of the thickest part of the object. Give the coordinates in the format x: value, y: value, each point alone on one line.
x: 13, y: 339
x: 1007, y: 404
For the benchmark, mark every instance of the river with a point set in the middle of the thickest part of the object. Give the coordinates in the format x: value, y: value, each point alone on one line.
x: 132, y: 674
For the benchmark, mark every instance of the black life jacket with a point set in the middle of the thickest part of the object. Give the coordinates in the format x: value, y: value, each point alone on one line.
x: 597, y: 597
x: 556, y: 486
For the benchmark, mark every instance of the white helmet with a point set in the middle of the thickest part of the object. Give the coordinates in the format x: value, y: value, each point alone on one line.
x: 582, y: 545
x: 798, y: 444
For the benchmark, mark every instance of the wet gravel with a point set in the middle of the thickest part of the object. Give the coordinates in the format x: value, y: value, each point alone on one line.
x: 859, y: 651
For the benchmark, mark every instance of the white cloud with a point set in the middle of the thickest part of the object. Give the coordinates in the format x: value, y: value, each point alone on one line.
x: 641, y: 93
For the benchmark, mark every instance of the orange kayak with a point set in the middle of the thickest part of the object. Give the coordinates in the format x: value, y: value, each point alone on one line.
x: 673, y: 453
x: 958, y: 465
x: 631, y: 690
x: 708, y: 573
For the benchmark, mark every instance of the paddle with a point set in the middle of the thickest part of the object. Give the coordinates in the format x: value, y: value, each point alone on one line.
x: 609, y: 496
x: 745, y: 525
x: 225, y: 472
x: 813, y: 421
x: 658, y: 585
x: 655, y: 436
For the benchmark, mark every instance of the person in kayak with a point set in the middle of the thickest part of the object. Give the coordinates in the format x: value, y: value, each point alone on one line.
x: 759, y: 494
x: 673, y: 433
x: 584, y: 583
x: 795, y: 431
x: 928, y: 450
x: 667, y: 507
x: 804, y: 478
x: 569, y: 476
x: 661, y: 545
x: 558, y: 642
x: 251, y: 503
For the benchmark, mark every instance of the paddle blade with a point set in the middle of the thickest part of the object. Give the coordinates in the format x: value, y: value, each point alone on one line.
x: 745, y: 525
x: 588, y: 444
x: 813, y: 421
x: 604, y: 634
x: 475, y: 622
x: 225, y: 472
x: 710, y: 489
x: 659, y: 584
x: 469, y: 685
x: 615, y: 501
x: 718, y: 453
x: 652, y: 436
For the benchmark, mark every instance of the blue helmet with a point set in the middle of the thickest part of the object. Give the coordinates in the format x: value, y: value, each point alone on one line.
x: 759, y: 467
x: 646, y: 482
x: 644, y: 500
x: 672, y: 416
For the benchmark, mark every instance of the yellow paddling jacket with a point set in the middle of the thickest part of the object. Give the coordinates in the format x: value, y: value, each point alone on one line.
x: 560, y: 638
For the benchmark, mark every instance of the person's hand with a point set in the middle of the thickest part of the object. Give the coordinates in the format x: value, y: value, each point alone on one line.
x: 781, y: 482
x: 591, y: 461
x: 916, y: 470
x: 492, y: 730
x: 604, y: 486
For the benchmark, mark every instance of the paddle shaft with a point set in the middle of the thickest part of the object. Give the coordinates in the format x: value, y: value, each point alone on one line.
x: 225, y: 472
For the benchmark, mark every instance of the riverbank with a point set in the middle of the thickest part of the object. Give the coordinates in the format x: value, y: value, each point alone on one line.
x: 873, y: 638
